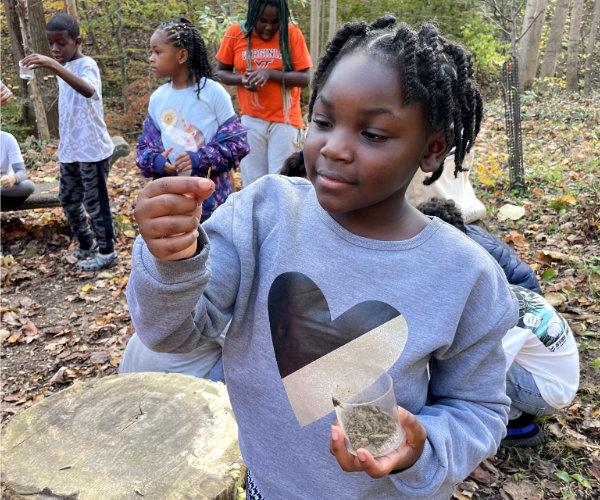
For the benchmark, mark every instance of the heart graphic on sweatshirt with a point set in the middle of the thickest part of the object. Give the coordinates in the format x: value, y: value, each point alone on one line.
x: 317, y: 355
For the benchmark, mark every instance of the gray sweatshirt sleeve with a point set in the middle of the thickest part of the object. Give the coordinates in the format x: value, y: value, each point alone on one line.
x: 20, y: 172
x: 465, y: 421
x: 164, y: 299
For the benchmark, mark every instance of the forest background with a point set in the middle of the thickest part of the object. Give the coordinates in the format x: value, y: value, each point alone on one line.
x: 116, y: 34
x: 61, y: 326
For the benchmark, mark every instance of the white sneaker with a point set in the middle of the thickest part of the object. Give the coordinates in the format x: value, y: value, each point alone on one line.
x: 79, y: 254
x: 98, y: 261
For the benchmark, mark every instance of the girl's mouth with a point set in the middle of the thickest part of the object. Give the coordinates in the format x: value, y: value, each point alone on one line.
x: 333, y: 182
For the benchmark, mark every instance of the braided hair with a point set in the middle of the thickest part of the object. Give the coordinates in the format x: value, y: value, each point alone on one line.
x: 255, y: 9
x: 182, y: 33
x: 434, y: 72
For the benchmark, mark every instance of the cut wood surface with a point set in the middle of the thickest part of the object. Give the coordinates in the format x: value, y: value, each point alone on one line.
x: 132, y: 436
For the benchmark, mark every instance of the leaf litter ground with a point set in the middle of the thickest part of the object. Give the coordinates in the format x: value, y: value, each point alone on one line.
x: 61, y: 326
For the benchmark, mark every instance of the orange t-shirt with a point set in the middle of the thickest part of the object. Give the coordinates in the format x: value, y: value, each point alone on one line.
x: 267, y: 102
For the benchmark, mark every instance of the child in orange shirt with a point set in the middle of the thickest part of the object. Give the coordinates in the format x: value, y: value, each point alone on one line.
x: 267, y: 59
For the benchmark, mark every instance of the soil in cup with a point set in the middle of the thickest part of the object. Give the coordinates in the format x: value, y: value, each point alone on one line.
x: 369, y: 427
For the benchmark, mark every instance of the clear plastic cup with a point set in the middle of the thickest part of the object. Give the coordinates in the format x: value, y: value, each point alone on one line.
x: 371, y: 419
x: 25, y: 73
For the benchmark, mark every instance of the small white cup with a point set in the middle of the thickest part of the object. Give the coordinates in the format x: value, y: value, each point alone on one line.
x: 25, y: 73
x: 371, y: 419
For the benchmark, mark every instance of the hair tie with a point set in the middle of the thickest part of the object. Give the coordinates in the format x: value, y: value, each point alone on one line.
x: 301, y: 154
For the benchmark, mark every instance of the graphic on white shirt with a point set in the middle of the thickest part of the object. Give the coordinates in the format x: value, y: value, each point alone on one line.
x: 539, y: 316
x: 189, y: 137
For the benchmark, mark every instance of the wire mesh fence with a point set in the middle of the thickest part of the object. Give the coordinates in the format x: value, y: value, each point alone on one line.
x: 512, y: 114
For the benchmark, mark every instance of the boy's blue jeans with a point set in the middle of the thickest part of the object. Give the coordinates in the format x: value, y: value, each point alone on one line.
x: 524, y: 394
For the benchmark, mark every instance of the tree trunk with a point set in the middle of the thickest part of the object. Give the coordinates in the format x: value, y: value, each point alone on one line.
x: 554, y: 45
x: 315, y: 23
x: 573, y: 47
x: 72, y: 8
x: 46, y: 79
x: 589, y: 57
x: 92, y: 37
x: 120, y: 51
x: 529, y: 47
x: 38, y: 103
x: 18, y: 53
x: 332, y: 18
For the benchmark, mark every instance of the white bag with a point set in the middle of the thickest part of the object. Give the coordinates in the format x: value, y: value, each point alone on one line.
x: 447, y: 186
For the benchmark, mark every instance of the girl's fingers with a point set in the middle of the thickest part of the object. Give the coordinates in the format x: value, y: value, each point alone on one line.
x: 167, y: 152
x: 169, y: 169
x: 197, y: 188
x: 175, y: 247
x: 173, y: 226
x: 164, y: 206
x: 337, y: 447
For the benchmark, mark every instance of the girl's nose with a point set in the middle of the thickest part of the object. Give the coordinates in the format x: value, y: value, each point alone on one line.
x: 337, y: 147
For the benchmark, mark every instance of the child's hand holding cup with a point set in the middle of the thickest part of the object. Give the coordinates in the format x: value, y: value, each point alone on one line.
x: 378, y: 438
x: 371, y: 419
x: 25, y: 72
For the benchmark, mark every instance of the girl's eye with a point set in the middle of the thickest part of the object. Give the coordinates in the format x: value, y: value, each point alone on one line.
x: 321, y: 122
x: 370, y: 136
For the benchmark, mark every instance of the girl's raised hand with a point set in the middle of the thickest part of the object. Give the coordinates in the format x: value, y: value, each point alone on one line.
x: 183, y: 162
x: 400, y: 458
x: 167, y: 167
x: 168, y: 212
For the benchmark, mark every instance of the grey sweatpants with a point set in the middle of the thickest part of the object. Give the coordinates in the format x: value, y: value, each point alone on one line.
x: 82, y: 187
x: 17, y: 194
x: 270, y: 144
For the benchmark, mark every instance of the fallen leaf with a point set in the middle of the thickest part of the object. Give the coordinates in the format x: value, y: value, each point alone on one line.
x: 99, y: 357
x: 4, y: 335
x: 62, y: 376
x: 569, y: 198
x: 523, y: 490
x: 29, y: 329
x: 481, y: 475
x: 512, y: 212
x: 14, y: 338
x: 555, y: 299
x: 595, y: 470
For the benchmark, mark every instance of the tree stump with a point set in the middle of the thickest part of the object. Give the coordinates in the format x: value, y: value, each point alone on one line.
x: 140, y: 436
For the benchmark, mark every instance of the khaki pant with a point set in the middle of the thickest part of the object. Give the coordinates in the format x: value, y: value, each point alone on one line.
x: 270, y: 144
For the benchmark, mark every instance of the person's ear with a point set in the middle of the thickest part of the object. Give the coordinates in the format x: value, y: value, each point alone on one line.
x: 436, y: 151
x: 78, y: 40
x: 182, y: 56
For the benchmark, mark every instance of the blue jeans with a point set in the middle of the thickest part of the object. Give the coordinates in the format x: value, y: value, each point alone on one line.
x: 524, y: 394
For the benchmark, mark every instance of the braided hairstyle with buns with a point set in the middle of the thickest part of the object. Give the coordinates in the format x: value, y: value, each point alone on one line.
x: 434, y: 72
x: 182, y: 33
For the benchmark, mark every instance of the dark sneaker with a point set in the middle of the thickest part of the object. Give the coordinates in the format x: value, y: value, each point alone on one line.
x: 98, y: 261
x: 79, y: 254
x: 522, y: 432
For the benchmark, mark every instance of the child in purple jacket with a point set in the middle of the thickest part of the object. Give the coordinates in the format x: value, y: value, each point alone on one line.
x: 191, y: 127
